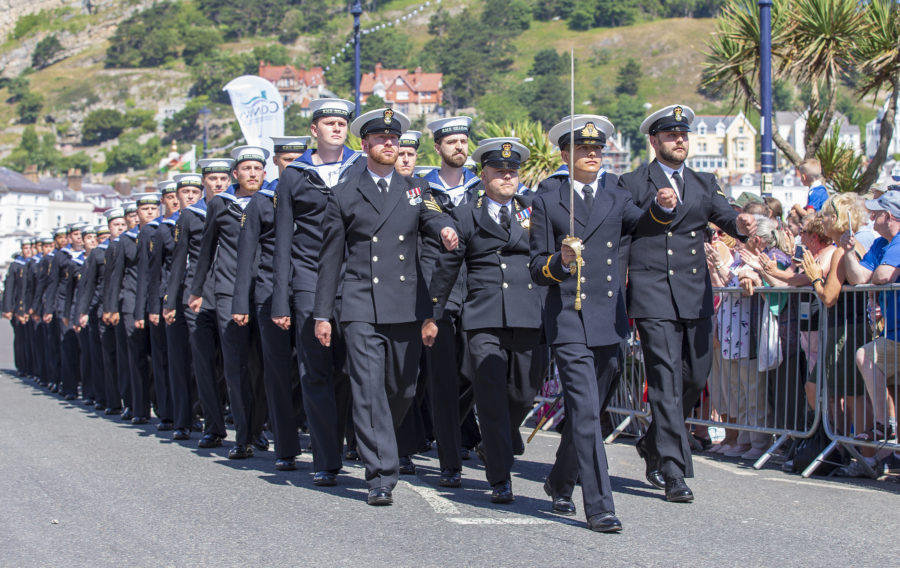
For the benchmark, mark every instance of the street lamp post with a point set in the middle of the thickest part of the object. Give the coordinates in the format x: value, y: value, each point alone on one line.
x: 356, y: 10
x: 204, y: 114
x: 767, y: 156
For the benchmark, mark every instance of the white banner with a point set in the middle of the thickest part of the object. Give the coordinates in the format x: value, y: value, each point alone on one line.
x: 259, y: 109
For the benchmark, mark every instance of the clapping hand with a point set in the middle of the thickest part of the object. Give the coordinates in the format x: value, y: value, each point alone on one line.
x: 810, y: 266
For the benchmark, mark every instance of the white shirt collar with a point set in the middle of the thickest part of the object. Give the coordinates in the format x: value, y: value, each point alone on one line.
x: 376, y: 177
x: 669, y: 171
x: 579, y: 187
x: 494, y: 208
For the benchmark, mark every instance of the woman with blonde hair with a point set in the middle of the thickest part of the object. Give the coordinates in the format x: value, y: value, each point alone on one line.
x: 845, y: 322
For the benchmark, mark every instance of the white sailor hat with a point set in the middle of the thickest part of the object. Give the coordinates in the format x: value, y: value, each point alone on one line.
x: 114, y: 213
x: 504, y: 152
x: 247, y: 153
x: 450, y: 125
x: 673, y: 118
x: 167, y: 186
x: 184, y: 180
x: 72, y: 227
x: 423, y: 171
x: 148, y: 198
x: 102, y: 230
x: 382, y: 120
x: 129, y: 207
x: 46, y: 239
x: 331, y: 107
x: 410, y: 139
x: 588, y: 128
x: 290, y: 144
x: 216, y: 165
x: 60, y: 231
x: 89, y: 230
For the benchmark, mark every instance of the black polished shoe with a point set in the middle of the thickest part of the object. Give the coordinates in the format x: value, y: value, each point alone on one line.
x: 450, y: 478
x: 325, y: 479
x: 89, y: 402
x: 561, y: 505
x: 165, y: 426
x: 407, y: 467
x: 126, y: 414
x: 380, y: 496
x: 240, y: 452
x: 261, y: 443
x: 138, y: 420
x: 651, y: 472
x: 184, y: 434
x: 99, y: 406
x: 351, y: 455
x: 197, y: 426
x: 112, y: 411
x: 501, y: 493
x: 677, y: 491
x: 286, y: 464
x: 604, y: 522
x: 70, y: 397
x: 465, y: 453
x: 210, y: 440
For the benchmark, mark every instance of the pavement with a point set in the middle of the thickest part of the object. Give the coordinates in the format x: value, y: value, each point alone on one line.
x: 81, y: 489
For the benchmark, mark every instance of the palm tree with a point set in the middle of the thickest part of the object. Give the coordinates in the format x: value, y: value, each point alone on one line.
x: 879, y: 50
x: 815, y: 43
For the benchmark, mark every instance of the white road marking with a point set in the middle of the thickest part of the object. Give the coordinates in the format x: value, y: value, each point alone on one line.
x: 496, y: 521
x: 817, y: 484
x: 730, y: 468
x: 440, y: 505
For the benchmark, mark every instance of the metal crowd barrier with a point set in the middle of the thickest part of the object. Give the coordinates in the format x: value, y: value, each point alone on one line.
x: 859, y: 384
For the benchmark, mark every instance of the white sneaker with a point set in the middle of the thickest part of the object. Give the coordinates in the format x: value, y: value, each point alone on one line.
x: 735, y: 451
x: 753, y: 454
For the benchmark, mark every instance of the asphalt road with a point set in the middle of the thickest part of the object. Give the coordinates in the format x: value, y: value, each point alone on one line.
x: 81, y: 489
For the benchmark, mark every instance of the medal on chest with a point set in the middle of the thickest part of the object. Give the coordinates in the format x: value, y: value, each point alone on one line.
x: 523, y: 217
x: 414, y: 196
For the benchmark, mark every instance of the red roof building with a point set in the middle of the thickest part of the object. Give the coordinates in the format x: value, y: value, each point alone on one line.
x: 297, y: 86
x: 412, y: 93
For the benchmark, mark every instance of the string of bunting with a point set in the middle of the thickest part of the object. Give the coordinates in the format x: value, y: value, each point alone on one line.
x: 349, y: 44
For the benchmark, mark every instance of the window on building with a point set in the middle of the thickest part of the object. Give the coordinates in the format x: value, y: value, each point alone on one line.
x: 701, y: 130
x: 19, y: 217
x: 721, y: 149
x: 740, y: 130
x: 703, y: 146
x: 399, y: 81
x: 58, y: 220
x: 402, y: 95
x: 740, y: 146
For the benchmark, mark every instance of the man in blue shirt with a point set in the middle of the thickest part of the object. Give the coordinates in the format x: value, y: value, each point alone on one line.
x: 877, y: 360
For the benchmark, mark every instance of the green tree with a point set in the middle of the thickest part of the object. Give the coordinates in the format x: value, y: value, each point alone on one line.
x: 201, y: 41
x: 615, y: 13
x: 549, y: 62
x: 512, y: 16
x: 295, y: 124
x: 627, y: 116
x: 628, y: 78
x: 45, y: 51
x: 581, y: 17
x: 18, y: 87
x: 815, y: 44
x: 101, y: 125
x: 547, y: 99
x: 214, y: 72
x: 34, y: 150
x: 29, y: 107
x: 782, y: 95
x: 470, y: 52
x: 501, y: 107
x: 185, y: 124
x: 273, y: 53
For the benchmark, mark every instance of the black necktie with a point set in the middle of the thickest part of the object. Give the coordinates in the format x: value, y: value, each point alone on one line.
x: 588, y: 196
x: 382, y: 185
x: 504, y: 217
x: 679, y: 183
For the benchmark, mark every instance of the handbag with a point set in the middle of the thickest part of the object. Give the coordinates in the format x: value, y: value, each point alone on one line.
x: 768, y: 350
